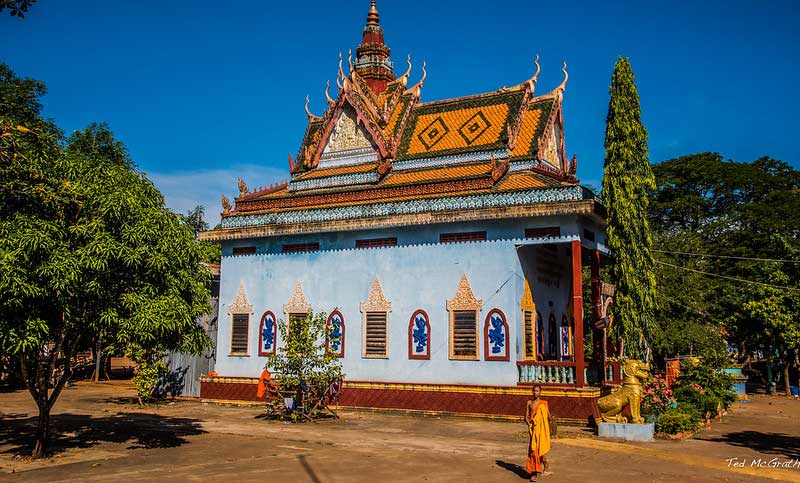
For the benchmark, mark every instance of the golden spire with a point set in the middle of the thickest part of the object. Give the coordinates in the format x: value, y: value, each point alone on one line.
x: 372, y: 15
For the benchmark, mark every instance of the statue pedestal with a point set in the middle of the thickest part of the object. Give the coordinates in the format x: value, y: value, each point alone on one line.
x: 628, y: 432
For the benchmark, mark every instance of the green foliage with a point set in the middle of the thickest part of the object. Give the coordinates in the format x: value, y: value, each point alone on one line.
x: 194, y: 219
x: 151, y: 367
x: 657, y: 397
x: 627, y: 184
x: 676, y: 420
x: 87, y: 247
x: 303, y: 365
x: 705, y: 385
x: 706, y: 205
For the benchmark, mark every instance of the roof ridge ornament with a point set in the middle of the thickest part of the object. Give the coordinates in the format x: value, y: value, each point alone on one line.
x: 331, y: 102
x: 563, y: 86
x: 404, y: 77
x: 372, y: 15
x: 418, y: 86
x: 311, y: 117
x: 532, y: 80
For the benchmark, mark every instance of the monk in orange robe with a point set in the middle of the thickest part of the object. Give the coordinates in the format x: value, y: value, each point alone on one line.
x: 263, y: 382
x: 537, y: 416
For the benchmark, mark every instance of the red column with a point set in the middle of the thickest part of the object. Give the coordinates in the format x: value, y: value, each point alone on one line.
x: 577, y: 311
x: 597, y: 310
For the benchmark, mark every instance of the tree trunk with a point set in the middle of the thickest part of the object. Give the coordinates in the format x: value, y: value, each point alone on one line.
x: 786, y: 378
x: 98, y: 356
x: 42, y: 432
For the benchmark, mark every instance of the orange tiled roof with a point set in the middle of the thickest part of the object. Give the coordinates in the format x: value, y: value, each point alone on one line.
x: 438, y: 174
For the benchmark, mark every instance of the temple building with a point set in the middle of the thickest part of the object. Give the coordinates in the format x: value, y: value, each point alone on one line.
x: 446, y: 241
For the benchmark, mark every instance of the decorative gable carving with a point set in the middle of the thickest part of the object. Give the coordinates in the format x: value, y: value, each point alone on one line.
x: 240, y: 305
x: 376, y: 302
x: 464, y: 299
x: 297, y: 304
x: 347, y: 134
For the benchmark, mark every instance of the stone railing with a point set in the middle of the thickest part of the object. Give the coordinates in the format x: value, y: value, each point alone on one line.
x: 546, y: 372
x: 563, y: 373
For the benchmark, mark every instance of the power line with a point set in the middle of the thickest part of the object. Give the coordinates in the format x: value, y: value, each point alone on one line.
x: 726, y: 277
x: 728, y: 256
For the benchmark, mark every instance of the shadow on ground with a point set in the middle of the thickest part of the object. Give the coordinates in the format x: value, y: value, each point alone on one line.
x: 514, y: 468
x: 770, y: 443
x: 82, y: 431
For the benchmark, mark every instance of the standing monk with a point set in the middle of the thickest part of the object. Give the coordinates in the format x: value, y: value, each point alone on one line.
x: 538, y: 418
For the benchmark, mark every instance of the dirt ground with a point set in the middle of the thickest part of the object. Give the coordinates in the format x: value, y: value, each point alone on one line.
x: 103, y: 435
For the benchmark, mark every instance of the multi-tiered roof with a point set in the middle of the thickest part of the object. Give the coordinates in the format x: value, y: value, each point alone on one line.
x: 379, y: 156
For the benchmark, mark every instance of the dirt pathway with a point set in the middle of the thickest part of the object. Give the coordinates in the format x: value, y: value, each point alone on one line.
x: 105, y: 436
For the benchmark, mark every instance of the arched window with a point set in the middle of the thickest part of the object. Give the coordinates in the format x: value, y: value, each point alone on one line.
x: 419, y: 336
x: 267, y: 334
x: 552, y: 336
x: 334, y: 333
x: 565, y: 337
x: 539, y: 336
x: 240, y: 311
x: 495, y: 336
x: 464, y: 309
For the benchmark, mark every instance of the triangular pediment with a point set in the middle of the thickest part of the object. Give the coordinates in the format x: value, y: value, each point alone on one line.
x: 348, y: 134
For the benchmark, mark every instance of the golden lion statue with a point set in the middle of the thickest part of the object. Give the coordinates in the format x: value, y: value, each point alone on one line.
x: 630, y: 394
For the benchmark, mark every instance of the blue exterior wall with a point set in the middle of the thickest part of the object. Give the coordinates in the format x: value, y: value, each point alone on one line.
x: 420, y: 273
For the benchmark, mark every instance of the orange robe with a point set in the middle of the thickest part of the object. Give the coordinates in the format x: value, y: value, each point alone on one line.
x: 540, y: 436
x: 262, y: 383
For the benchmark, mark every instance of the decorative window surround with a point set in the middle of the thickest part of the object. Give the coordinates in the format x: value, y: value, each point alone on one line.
x: 496, y: 336
x: 297, y: 306
x: 463, y: 301
x: 334, y: 334
x: 419, y: 336
x: 375, y: 304
x: 241, y: 307
x: 528, y: 307
x: 267, y: 334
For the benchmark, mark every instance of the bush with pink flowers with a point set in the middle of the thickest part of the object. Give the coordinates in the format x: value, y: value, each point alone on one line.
x: 657, y: 397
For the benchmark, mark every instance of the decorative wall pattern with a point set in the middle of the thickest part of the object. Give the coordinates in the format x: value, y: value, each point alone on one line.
x: 496, y: 336
x: 419, y: 336
x: 334, y: 333
x: 550, y: 195
x: 331, y: 181
x: 267, y: 334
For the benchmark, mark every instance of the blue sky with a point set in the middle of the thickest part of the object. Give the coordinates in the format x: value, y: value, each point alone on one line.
x: 202, y: 92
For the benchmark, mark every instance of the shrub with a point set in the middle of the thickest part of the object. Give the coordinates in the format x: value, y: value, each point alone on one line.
x: 705, y: 386
x: 150, y: 368
x: 657, y: 397
x: 675, y: 421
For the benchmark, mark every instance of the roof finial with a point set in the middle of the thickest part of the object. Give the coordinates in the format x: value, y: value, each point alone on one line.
x: 331, y: 102
x: 532, y: 81
x: 311, y: 117
x: 408, y: 71
x: 418, y: 85
x: 372, y: 15
x: 563, y: 84
x: 350, y: 61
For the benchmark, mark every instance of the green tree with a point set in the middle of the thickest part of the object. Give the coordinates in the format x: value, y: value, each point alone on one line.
x: 627, y: 184
x: 711, y: 219
x: 87, y: 249
x: 303, y: 364
x: 777, y: 312
x: 194, y: 218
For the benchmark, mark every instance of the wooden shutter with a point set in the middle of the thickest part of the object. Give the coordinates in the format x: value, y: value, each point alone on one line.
x: 375, y: 336
x: 528, y: 317
x: 239, y: 330
x: 464, y: 333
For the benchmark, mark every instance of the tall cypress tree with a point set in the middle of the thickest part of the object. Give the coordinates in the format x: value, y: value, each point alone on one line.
x: 627, y: 182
